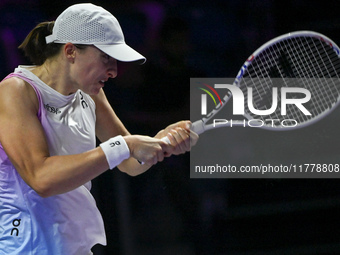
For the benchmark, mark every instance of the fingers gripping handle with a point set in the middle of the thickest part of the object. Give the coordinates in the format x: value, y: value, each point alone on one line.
x: 197, y: 127
x: 164, y: 139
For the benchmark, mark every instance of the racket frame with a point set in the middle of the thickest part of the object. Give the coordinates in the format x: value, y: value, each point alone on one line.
x: 201, y: 125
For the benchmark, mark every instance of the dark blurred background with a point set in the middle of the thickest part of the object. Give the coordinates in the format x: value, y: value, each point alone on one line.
x: 163, y: 211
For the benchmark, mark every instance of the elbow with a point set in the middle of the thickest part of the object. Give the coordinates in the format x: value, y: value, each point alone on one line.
x: 43, y: 189
x: 44, y: 193
x: 39, y: 181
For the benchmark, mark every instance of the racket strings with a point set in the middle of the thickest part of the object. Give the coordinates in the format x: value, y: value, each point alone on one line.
x: 312, y: 71
x: 318, y: 65
x: 297, y: 62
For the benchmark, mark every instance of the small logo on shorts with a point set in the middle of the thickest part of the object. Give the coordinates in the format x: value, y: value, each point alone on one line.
x: 16, y: 224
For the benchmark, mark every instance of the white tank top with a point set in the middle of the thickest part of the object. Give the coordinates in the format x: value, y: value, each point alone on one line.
x: 66, y: 224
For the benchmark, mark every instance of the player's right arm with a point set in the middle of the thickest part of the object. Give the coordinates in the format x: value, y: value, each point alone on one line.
x: 23, y: 139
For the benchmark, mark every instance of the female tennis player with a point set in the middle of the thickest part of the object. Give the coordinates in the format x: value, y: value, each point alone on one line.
x: 50, y: 116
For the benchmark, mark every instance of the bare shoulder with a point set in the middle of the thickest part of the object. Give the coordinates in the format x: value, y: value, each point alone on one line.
x: 15, y: 91
x: 13, y: 81
x: 15, y: 85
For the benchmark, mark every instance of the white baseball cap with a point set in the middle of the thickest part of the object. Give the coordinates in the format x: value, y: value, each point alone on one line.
x: 93, y: 25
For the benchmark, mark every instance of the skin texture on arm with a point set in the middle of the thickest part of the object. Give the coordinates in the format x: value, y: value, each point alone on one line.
x: 23, y: 140
x: 108, y: 125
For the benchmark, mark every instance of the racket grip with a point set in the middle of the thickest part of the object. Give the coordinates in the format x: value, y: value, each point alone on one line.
x: 164, y: 139
x: 198, y: 127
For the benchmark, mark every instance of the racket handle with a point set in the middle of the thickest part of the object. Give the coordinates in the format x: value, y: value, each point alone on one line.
x: 198, y: 127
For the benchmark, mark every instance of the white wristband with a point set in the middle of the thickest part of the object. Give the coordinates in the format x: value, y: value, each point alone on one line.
x: 116, y: 150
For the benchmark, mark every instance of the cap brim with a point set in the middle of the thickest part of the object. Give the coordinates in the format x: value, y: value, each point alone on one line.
x: 122, y: 52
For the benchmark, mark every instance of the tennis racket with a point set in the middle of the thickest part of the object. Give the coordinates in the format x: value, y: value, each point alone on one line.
x: 302, y: 59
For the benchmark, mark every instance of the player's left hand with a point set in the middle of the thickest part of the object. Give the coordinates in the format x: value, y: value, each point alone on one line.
x: 180, y: 136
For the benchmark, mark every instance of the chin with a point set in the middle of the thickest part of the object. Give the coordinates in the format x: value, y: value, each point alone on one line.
x: 94, y: 92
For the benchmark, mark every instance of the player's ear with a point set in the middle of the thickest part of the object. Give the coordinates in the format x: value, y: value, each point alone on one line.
x: 70, y: 51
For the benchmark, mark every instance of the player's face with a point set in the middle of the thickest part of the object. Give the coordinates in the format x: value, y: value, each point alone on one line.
x: 93, y: 68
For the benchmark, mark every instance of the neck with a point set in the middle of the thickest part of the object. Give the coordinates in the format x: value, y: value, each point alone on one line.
x: 56, y: 76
